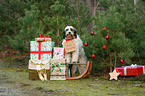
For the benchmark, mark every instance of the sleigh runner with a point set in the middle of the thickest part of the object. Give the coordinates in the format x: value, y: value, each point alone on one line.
x: 84, y: 74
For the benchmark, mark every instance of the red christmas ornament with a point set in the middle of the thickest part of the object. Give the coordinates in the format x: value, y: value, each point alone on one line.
x: 93, y: 55
x: 92, y: 33
x: 104, y: 28
x: 104, y: 47
x: 85, y: 44
x: 121, y: 60
x: 107, y: 37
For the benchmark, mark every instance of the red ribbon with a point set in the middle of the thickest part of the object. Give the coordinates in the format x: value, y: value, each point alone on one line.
x: 39, y: 52
x: 68, y: 39
x: 41, y: 36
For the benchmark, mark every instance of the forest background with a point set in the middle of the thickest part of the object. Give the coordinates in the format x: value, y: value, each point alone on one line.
x: 122, y: 20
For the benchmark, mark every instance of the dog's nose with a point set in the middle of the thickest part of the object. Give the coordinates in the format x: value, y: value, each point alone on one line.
x: 69, y: 32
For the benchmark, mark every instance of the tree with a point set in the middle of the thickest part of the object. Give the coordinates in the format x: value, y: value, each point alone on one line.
x: 56, y: 22
x: 132, y: 15
x: 118, y: 46
x: 30, y: 26
x: 81, y: 13
x: 60, y: 18
x: 10, y: 11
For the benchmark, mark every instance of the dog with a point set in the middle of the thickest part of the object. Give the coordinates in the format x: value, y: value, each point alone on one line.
x: 77, y: 56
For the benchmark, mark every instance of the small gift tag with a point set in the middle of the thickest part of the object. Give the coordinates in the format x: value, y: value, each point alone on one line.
x: 70, y: 46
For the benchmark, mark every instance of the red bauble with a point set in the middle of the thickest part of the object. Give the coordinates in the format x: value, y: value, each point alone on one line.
x: 92, y: 33
x: 121, y: 60
x: 93, y: 55
x: 85, y: 44
x: 104, y: 47
x: 104, y: 28
x: 107, y: 37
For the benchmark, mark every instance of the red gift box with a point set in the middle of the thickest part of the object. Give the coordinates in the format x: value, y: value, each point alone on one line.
x: 130, y: 71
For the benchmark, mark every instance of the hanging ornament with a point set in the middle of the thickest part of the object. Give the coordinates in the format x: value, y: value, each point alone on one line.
x: 104, y: 47
x: 104, y: 28
x: 107, y: 37
x: 92, y: 33
x: 121, y: 60
x: 85, y: 44
x: 93, y: 55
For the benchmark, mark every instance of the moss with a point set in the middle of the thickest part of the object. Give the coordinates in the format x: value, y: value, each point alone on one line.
x: 81, y: 87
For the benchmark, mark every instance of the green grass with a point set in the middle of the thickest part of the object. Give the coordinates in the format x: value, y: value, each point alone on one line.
x: 13, y: 78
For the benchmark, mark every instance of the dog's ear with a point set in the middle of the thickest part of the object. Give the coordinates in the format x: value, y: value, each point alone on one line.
x: 64, y: 34
x: 75, y: 33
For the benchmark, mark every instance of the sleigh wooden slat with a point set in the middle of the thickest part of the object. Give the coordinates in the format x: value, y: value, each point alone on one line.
x: 78, y: 63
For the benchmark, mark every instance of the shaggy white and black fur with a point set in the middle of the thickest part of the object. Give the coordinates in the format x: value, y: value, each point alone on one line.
x: 77, y: 56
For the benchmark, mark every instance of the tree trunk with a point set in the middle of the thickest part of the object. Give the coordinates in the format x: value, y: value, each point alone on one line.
x: 57, y: 26
x: 28, y: 31
x: 135, y: 2
x: 110, y: 60
x: 90, y: 5
x: 94, y: 9
x: 138, y: 55
x: 57, y: 30
x: 110, y: 57
x: 115, y: 58
x: 78, y: 13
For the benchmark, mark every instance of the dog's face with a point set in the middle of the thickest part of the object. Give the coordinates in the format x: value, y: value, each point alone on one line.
x: 69, y: 33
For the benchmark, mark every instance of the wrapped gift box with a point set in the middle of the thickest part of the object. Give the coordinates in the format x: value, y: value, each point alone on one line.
x: 58, y: 53
x: 41, y: 50
x: 57, y: 69
x: 130, y: 71
x: 35, y: 66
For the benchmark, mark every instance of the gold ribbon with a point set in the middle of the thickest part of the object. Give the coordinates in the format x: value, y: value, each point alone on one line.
x: 39, y: 64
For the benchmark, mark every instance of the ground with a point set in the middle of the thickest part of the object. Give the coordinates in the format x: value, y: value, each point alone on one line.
x: 14, y: 82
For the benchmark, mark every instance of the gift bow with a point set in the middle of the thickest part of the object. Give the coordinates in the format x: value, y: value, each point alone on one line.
x: 134, y: 65
x: 41, y: 36
x: 39, y: 64
x: 55, y: 65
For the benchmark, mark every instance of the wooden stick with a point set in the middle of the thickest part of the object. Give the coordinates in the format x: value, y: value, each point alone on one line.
x: 77, y: 63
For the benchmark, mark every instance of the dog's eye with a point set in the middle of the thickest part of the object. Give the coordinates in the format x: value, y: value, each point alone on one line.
x: 66, y: 29
x: 71, y: 29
